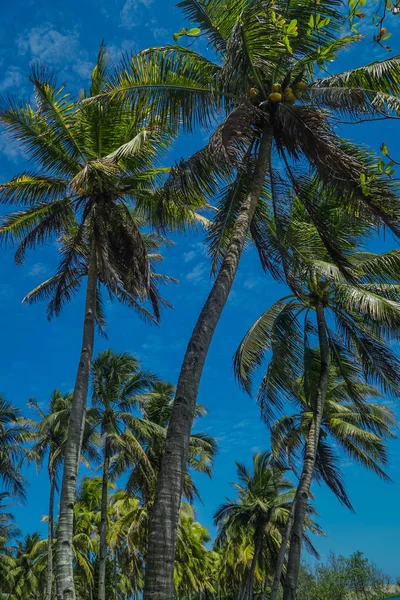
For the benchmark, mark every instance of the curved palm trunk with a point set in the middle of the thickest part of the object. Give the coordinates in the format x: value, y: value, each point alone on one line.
x: 64, y: 570
x: 282, y: 552
x: 159, y: 582
x: 303, y: 490
x: 103, y: 524
x: 50, y: 535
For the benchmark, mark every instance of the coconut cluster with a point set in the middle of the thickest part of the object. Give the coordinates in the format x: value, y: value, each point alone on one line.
x: 288, y: 95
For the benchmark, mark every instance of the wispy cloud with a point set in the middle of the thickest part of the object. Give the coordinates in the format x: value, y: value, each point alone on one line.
x: 249, y: 284
x: 13, y: 78
x: 188, y: 256
x: 197, y: 273
x: 47, y: 44
x: 37, y: 269
x: 161, y: 33
x: 10, y: 149
x: 132, y: 12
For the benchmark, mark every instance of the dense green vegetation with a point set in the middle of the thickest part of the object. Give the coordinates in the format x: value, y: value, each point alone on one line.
x: 277, y: 174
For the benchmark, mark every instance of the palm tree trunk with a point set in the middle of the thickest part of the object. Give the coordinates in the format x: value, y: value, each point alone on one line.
x: 115, y: 574
x: 64, y: 570
x: 257, y: 549
x: 159, y: 576
x: 103, y: 524
x: 282, y: 552
x: 50, y: 535
x: 264, y: 590
x: 303, y: 490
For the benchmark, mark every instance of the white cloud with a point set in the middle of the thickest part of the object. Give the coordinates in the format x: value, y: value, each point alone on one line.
x: 10, y: 149
x: 46, y: 44
x: 12, y: 79
x: 130, y: 13
x: 188, y: 256
x: 197, y: 273
x: 84, y: 68
x: 249, y: 284
x: 115, y: 52
x: 240, y: 425
x: 161, y: 32
x: 37, y: 269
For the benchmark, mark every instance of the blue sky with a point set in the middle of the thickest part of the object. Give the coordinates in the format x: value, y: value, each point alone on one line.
x: 37, y: 356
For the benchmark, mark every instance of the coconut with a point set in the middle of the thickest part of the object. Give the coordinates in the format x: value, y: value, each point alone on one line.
x: 275, y: 97
x: 253, y: 92
x: 289, y: 97
x: 301, y: 86
x: 276, y: 87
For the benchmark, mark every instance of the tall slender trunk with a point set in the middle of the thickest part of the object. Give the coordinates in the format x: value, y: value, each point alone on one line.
x: 103, y: 523
x: 303, y: 490
x: 282, y: 552
x: 159, y: 576
x: 248, y: 595
x: 264, y: 590
x: 115, y: 574
x: 64, y: 570
x: 50, y: 534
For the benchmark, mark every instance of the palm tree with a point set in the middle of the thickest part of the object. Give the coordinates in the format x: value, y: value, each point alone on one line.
x: 117, y: 384
x: 259, y: 514
x: 363, y: 315
x: 267, y: 80
x: 193, y: 561
x: 156, y: 407
x: 8, y: 532
x: 95, y: 161
x: 50, y: 435
x: 13, y: 433
x: 357, y: 428
x: 29, y: 570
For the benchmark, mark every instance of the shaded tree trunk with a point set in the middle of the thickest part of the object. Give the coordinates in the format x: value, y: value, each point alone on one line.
x: 115, y: 574
x: 303, y: 489
x: 103, y: 524
x: 282, y: 552
x: 50, y: 535
x: 257, y: 549
x: 159, y: 582
x: 264, y: 590
x: 64, y: 569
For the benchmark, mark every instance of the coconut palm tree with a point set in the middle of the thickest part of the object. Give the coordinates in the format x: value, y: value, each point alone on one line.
x: 118, y: 383
x: 49, y: 435
x: 267, y: 80
x: 8, y: 533
x: 156, y: 407
x: 95, y: 162
x: 363, y: 315
x: 29, y: 570
x: 13, y: 433
x: 194, y: 563
x: 356, y: 428
x: 259, y: 514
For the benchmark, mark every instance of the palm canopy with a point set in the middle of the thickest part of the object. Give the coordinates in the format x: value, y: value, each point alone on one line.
x: 49, y: 433
x: 13, y: 434
x: 259, y: 47
x: 118, y: 384
x: 155, y: 408
x: 361, y: 306
x: 94, y: 162
x: 357, y: 429
x: 257, y: 518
